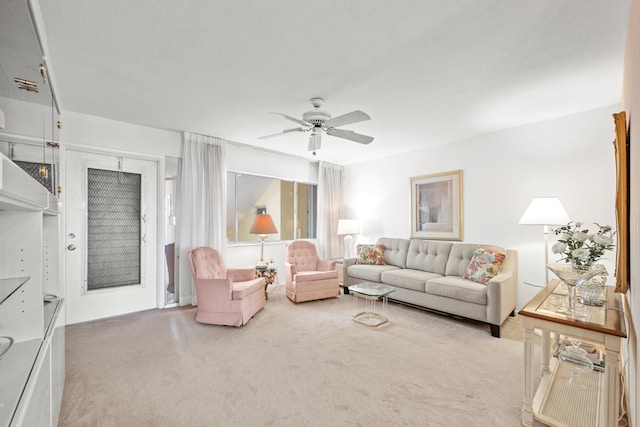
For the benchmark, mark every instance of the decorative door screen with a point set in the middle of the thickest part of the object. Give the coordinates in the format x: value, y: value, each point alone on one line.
x: 113, y: 228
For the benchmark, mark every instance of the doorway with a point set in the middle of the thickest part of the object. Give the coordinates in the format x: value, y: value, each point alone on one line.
x: 110, y: 235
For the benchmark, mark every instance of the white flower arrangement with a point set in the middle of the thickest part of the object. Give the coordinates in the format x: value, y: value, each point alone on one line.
x: 579, y: 247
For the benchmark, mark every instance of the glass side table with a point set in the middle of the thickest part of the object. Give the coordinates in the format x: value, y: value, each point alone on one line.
x: 371, y: 293
x: 270, y: 275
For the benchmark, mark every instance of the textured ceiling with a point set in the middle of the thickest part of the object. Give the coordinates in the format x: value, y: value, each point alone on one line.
x: 427, y: 72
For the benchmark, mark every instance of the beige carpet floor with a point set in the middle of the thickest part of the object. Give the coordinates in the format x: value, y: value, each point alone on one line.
x: 302, y: 364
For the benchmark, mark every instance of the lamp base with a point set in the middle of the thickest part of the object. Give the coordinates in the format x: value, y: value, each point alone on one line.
x: 348, y: 244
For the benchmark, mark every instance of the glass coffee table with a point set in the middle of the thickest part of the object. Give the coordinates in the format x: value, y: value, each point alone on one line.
x: 371, y: 293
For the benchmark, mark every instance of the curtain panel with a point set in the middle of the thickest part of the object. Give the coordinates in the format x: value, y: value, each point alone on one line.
x: 331, y: 206
x: 201, y: 204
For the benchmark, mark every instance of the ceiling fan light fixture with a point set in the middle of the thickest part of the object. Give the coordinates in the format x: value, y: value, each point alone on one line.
x: 318, y: 121
x: 316, y: 117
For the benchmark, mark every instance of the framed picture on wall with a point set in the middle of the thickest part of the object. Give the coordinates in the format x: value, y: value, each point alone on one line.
x: 436, y: 206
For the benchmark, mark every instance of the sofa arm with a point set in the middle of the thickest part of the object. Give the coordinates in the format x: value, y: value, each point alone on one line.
x: 502, y: 290
x: 241, y: 274
x: 346, y: 263
x: 326, y: 265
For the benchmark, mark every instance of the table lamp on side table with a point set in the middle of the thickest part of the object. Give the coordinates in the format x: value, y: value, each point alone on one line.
x: 545, y: 211
x: 347, y: 227
x: 263, y: 225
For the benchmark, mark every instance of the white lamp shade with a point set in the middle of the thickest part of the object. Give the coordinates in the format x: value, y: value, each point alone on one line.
x: 545, y: 211
x: 348, y: 226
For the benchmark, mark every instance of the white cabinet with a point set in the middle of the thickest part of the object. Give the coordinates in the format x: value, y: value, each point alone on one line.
x: 32, y: 371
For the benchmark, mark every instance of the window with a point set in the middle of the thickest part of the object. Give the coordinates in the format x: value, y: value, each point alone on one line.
x: 292, y: 205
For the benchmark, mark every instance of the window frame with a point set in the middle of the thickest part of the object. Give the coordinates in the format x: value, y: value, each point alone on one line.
x: 233, y: 210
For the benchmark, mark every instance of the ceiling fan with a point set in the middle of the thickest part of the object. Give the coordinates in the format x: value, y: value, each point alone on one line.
x: 318, y: 121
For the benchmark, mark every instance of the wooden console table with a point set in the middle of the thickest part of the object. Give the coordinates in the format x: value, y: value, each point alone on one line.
x: 555, y: 403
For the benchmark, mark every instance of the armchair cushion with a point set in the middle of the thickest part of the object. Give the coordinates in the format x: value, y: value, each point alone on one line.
x: 310, y: 276
x: 242, y: 290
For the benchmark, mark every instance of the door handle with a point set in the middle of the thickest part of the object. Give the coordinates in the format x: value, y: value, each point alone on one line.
x: 71, y: 247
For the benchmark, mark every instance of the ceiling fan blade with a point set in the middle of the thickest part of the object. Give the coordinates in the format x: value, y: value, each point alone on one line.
x: 314, y: 142
x: 283, y: 132
x: 347, y: 119
x: 293, y: 119
x: 350, y: 135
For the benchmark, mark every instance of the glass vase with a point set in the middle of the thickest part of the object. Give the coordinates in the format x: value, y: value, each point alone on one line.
x: 576, y: 359
x: 574, y: 275
x: 593, y: 291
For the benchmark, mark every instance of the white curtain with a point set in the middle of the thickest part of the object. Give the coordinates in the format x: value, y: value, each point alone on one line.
x: 330, y: 207
x: 202, y: 204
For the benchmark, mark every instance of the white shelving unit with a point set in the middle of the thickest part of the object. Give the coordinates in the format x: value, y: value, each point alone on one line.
x: 32, y: 371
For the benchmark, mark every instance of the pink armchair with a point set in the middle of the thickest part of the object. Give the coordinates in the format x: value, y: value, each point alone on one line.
x: 308, y: 276
x: 225, y: 296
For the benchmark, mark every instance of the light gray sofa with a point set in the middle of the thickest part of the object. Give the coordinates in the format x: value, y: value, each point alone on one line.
x: 428, y: 274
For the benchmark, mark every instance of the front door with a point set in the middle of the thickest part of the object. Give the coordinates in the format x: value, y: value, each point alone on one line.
x: 110, y: 235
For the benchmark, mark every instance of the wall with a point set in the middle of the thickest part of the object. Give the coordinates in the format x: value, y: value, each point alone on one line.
x: 25, y: 119
x: 631, y: 104
x: 571, y: 158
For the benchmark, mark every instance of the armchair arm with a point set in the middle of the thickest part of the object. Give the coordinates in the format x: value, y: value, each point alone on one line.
x: 213, y: 292
x: 326, y: 265
x: 290, y: 271
x: 241, y: 274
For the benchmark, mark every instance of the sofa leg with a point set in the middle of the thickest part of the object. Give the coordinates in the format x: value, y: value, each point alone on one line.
x: 495, y: 330
x: 513, y: 313
x: 345, y: 290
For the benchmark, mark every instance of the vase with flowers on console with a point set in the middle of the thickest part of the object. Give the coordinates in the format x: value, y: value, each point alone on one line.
x: 580, y: 250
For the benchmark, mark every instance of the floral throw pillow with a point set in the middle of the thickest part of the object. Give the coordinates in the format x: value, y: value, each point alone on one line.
x: 484, y: 265
x: 370, y: 254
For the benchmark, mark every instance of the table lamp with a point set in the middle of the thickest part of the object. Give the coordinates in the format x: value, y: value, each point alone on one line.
x: 347, y: 227
x: 545, y: 211
x: 263, y: 225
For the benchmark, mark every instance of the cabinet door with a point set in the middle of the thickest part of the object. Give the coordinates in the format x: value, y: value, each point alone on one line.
x: 35, y: 405
x: 57, y: 368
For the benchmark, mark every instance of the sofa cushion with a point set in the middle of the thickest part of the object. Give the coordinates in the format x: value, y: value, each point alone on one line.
x: 484, y: 265
x: 395, y: 251
x: 368, y: 273
x: 415, y: 280
x: 427, y: 255
x: 458, y: 288
x: 370, y: 254
x: 460, y: 257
